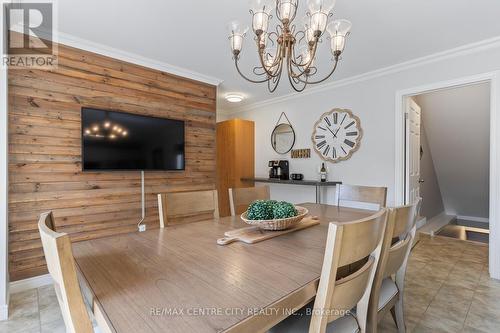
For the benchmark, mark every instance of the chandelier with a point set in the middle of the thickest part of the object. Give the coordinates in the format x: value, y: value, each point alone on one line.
x: 106, y: 130
x: 288, y: 48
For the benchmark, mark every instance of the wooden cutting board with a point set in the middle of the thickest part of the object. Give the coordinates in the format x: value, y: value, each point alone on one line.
x: 251, y: 235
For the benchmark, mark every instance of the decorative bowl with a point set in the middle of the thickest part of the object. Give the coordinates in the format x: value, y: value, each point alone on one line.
x: 277, y: 224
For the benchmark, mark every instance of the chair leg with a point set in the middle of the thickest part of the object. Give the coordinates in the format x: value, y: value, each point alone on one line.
x: 399, y: 314
x: 393, y: 313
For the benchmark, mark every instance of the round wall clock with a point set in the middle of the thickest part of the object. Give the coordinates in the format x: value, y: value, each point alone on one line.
x: 337, y: 135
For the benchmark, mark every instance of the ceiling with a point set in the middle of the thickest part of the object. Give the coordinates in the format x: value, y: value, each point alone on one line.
x: 192, y: 34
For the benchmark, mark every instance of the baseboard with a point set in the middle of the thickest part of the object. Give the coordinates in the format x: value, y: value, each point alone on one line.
x: 30, y: 283
x: 4, y: 312
x: 434, y: 224
x: 474, y: 219
x: 421, y: 222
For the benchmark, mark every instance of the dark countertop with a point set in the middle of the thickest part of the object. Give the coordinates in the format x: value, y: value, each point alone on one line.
x: 292, y: 182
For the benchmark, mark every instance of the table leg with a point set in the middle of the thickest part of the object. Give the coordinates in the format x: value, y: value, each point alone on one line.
x: 318, y: 195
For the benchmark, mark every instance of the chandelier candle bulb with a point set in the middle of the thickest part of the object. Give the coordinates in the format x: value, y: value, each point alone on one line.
x: 237, y: 32
x: 287, y: 10
x: 339, y: 30
x: 318, y: 23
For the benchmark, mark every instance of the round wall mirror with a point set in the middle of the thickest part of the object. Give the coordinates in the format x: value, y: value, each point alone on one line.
x: 283, y: 138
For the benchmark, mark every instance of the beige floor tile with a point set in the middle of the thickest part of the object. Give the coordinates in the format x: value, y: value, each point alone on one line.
x: 482, y: 321
x: 48, y: 306
x: 53, y: 327
x: 468, y: 329
x: 431, y: 322
x: 23, y: 313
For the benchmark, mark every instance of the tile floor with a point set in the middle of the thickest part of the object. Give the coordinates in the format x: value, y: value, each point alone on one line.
x: 447, y: 290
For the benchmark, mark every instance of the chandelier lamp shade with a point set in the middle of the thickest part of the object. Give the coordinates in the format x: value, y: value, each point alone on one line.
x: 290, y: 48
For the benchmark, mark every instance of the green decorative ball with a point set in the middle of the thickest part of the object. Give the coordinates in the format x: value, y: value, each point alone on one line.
x: 283, y: 209
x: 270, y: 209
x: 260, y: 210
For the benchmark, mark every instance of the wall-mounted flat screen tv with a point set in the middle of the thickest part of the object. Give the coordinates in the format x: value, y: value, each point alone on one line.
x: 114, y: 140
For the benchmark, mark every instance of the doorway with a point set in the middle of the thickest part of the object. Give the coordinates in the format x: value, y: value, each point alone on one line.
x: 402, y: 187
x: 448, y: 159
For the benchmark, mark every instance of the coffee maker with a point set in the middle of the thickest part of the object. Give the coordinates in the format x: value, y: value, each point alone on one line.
x: 279, y: 169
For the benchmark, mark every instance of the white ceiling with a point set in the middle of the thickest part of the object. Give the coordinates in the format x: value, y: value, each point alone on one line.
x: 192, y: 33
x: 457, y: 124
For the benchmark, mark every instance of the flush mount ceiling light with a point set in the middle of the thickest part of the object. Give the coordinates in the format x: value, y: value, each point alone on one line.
x: 290, y: 47
x: 234, y: 98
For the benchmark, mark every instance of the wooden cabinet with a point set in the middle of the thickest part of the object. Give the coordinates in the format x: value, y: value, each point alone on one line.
x: 235, y: 158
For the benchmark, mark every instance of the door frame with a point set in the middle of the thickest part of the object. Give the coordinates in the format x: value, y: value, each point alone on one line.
x: 493, y: 78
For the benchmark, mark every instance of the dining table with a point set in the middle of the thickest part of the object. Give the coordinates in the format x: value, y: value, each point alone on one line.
x: 178, y: 279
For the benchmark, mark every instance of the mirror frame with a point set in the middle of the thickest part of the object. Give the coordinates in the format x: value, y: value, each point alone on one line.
x: 294, y: 138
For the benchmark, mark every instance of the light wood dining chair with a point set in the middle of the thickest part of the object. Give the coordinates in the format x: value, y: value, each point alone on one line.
x: 346, y: 243
x: 61, y: 266
x: 240, y: 198
x: 387, y: 293
x: 183, y: 207
x: 348, y: 194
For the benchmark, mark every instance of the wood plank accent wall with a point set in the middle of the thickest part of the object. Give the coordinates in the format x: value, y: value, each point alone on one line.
x: 45, y: 149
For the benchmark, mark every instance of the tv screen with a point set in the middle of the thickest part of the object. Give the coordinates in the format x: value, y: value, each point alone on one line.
x: 121, y: 141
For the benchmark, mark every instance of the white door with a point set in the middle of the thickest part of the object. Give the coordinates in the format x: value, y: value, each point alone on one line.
x: 413, y: 117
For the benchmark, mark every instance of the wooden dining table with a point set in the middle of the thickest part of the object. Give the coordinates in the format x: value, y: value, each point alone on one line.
x: 178, y: 279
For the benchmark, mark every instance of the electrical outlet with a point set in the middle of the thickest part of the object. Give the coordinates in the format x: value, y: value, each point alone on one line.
x: 142, y: 228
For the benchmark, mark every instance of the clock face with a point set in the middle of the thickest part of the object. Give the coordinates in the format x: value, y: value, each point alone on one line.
x: 337, y: 135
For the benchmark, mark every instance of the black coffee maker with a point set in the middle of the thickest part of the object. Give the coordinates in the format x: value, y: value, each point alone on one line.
x: 279, y: 169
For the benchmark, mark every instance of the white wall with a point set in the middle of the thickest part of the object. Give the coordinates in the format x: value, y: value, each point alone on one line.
x: 432, y: 200
x: 373, y: 100
x: 4, y: 272
x: 457, y: 123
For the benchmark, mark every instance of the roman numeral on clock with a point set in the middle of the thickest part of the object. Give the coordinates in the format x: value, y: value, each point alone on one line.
x: 327, y: 149
x: 324, y: 129
x: 349, y: 143
x: 334, y: 153
x: 335, y: 118
x: 319, y: 137
x: 350, y: 124
x: 321, y: 144
x: 328, y: 121
x: 351, y: 133
x: 343, y: 119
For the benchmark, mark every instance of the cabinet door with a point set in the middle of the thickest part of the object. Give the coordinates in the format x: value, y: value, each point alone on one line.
x: 235, y: 158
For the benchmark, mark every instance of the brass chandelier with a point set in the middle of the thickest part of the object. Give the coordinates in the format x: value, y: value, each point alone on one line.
x: 289, y: 48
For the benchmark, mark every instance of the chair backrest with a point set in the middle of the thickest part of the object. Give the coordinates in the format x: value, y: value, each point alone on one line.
x: 182, y: 207
x: 61, y: 265
x: 396, y: 246
x: 346, y: 244
x: 347, y: 194
x: 240, y: 198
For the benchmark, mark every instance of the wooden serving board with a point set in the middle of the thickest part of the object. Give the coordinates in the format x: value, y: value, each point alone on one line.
x: 251, y: 235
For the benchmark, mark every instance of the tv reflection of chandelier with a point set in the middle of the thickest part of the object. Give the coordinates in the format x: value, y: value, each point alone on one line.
x: 106, y: 130
x: 289, y: 48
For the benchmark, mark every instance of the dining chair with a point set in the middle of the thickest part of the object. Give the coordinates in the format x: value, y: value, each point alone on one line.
x: 387, y: 293
x: 240, y: 198
x: 335, y: 298
x: 183, y: 207
x: 349, y: 194
x: 61, y: 266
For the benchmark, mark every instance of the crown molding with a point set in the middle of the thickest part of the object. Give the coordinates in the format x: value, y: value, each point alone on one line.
x: 80, y: 43
x: 436, y: 57
x: 86, y: 45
